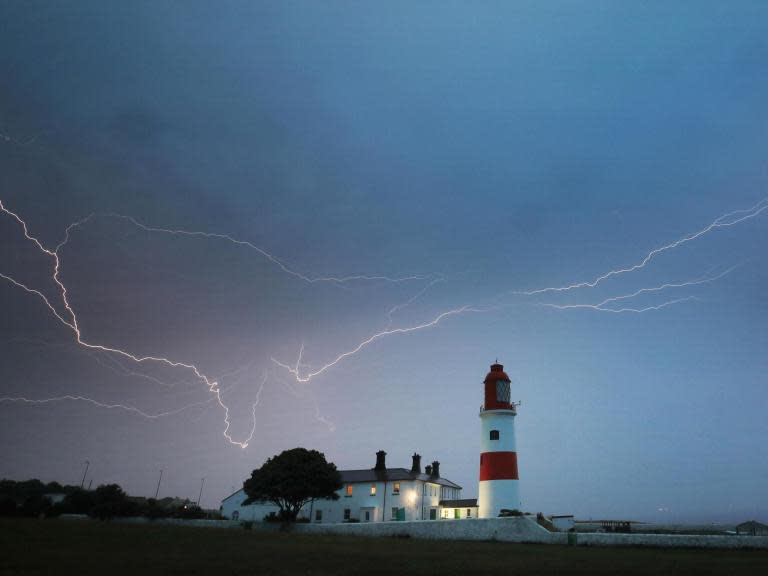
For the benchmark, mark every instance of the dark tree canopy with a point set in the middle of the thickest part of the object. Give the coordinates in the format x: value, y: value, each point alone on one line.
x: 293, y: 478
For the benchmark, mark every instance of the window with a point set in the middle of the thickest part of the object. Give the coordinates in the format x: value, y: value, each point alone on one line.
x: 433, y: 513
x: 367, y: 515
x: 235, y: 515
x: 394, y: 513
x: 396, y: 488
x: 349, y: 491
x: 347, y: 513
x: 469, y: 512
x: 502, y: 391
x: 373, y: 489
x: 318, y: 515
x: 494, y: 434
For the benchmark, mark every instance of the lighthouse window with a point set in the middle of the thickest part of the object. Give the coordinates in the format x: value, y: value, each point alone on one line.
x: 502, y: 391
x: 494, y: 434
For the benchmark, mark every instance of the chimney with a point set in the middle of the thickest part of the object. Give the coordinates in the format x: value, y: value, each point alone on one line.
x: 428, y: 469
x: 380, y: 460
x: 416, y: 466
x: 435, y: 469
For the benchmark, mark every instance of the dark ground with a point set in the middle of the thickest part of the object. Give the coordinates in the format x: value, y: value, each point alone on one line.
x: 103, y: 548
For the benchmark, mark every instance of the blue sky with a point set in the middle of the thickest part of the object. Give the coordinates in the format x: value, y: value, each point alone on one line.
x: 495, y: 148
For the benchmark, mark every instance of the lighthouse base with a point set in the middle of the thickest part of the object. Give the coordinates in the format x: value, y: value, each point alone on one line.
x: 497, y: 495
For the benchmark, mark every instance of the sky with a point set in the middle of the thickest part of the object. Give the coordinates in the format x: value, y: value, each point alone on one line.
x: 392, y: 186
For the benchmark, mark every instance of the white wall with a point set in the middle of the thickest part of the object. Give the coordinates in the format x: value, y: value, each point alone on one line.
x: 415, y: 496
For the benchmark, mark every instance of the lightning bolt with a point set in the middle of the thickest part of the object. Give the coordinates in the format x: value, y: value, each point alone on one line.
x: 726, y: 220
x: 622, y: 310
x: 601, y: 306
x: 131, y: 409
x: 318, y: 416
x: 278, y: 262
x: 371, y: 339
x: 72, y: 324
x: 411, y: 300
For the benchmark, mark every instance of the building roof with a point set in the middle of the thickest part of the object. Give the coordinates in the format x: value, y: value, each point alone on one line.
x: 391, y: 474
x: 751, y: 524
x: 461, y: 503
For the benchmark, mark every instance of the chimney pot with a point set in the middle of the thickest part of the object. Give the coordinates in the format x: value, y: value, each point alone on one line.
x: 381, y: 460
x: 416, y: 466
x: 436, y: 469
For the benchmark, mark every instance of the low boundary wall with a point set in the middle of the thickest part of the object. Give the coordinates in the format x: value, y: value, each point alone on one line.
x: 501, y: 529
x: 521, y: 530
x: 671, y: 540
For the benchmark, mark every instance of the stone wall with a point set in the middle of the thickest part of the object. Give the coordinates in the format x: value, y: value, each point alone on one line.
x: 672, y: 540
x: 502, y: 529
x: 519, y: 530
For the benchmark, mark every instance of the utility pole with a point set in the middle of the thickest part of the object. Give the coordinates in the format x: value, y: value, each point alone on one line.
x: 82, y: 482
x: 202, y: 483
x: 158, y: 483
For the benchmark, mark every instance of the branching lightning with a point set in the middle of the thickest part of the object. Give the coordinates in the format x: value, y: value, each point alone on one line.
x: 132, y: 409
x: 72, y: 324
x: 389, y: 332
x: 724, y: 221
x: 622, y: 310
x: 303, y: 373
x: 601, y: 306
x: 278, y: 262
x: 411, y: 300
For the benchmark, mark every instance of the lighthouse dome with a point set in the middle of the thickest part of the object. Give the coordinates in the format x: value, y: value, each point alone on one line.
x: 497, y: 373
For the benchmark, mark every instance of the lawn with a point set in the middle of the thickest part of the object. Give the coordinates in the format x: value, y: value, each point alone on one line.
x: 104, y: 548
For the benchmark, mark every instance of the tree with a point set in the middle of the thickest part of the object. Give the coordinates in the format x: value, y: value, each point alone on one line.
x: 109, y: 501
x: 293, y: 478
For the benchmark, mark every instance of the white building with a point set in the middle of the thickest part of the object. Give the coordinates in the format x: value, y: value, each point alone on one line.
x: 377, y: 494
x: 382, y: 494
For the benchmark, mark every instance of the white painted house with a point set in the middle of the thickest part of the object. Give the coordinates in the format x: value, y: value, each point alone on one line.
x: 382, y: 494
x: 377, y: 494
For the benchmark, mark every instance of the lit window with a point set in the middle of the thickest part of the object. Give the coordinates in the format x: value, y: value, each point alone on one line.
x: 373, y: 489
x: 347, y: 513
x: 349, y: 490
x: 318, y: 515
x: 396, y: 488
x: 494, y: 434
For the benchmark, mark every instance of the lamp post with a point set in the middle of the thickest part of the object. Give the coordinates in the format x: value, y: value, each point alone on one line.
x: 82, y: 482
x: 202, y: 483
x: 158, y: 483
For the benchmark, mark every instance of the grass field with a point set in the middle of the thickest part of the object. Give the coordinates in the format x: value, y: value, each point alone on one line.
x: 91, y: 547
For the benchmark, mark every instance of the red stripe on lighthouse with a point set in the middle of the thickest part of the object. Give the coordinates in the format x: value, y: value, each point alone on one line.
x: 498, y: 466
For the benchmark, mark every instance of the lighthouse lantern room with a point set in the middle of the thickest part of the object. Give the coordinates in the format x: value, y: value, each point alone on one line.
x: 498, y: 454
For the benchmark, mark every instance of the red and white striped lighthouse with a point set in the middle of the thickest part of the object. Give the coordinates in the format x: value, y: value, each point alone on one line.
x: 498, y: 454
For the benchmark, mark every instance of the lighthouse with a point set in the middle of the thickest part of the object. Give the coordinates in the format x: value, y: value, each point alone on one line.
x: 498, y: 454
